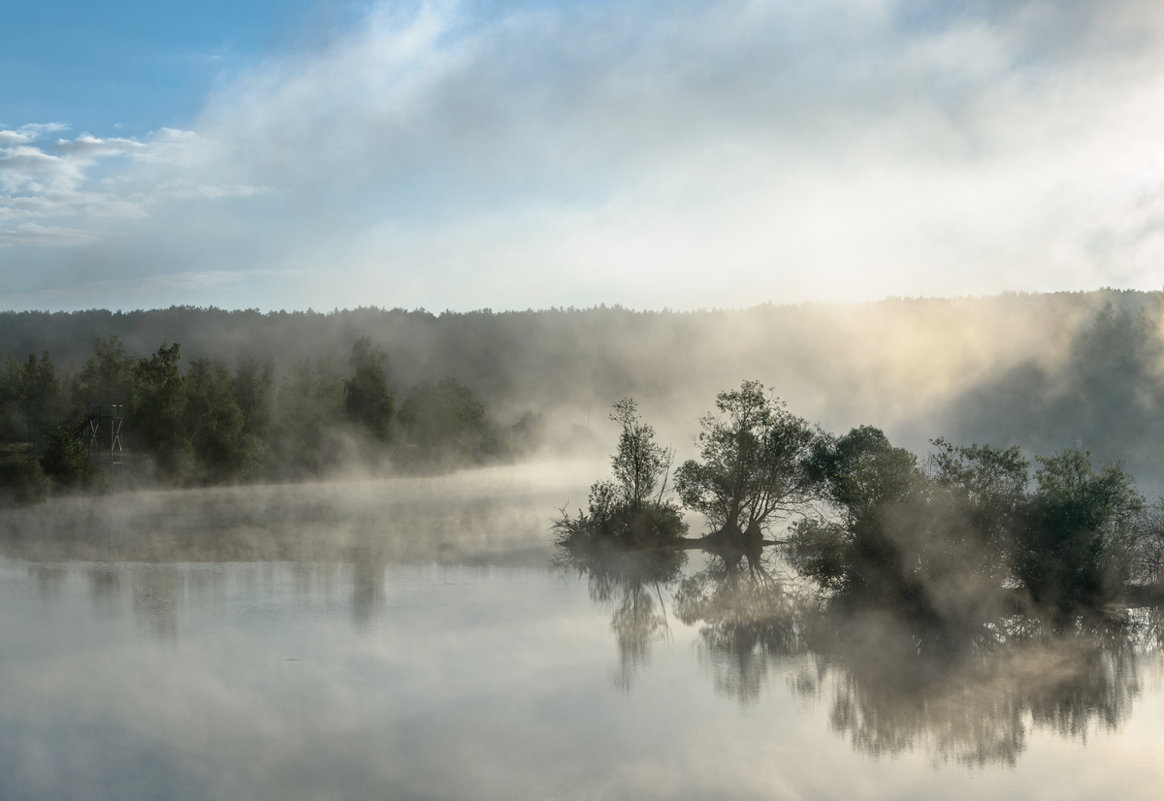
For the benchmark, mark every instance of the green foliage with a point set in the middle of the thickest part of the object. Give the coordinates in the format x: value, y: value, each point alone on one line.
x: 254, y: 390
x: 862, y: 470
x: 107, y: 376
x: 626, y: 510
x: 610, y: 519
x: 981, y: 492
x: 66, y: 462
x: 444, y: 425
x: 22, y: 482
x: 752, y: 464
x: 946, y: 541
x: 1077, y: 543
x: 309, y: 399
x: 639, y: 464
x: 933, y: 543
x: 31, y: 398
x: 215, y: 421
x: 367, y: 401
x: 158, y: 411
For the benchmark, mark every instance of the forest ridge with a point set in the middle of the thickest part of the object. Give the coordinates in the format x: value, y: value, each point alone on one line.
x: 1043, y: 372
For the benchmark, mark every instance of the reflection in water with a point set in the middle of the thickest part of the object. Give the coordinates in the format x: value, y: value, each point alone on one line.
x: 406, y: 651
x: 104, y: 589
x: 359, y: 526
x: 629, y: 580
x: 972, y: 698
x: 367, y: 584
x: 976, y: 705
x: 49, y: 579
x: 746, y: 619
x: 157, y: 599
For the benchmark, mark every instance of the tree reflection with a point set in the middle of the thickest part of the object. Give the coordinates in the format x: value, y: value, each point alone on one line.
x: 747, y: 618
x: 978, y: 704
x: 630, y: 580
x: 157, y: 594
x: 972, y: 696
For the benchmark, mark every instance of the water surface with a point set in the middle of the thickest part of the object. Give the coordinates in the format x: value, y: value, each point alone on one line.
x: 413, y: 639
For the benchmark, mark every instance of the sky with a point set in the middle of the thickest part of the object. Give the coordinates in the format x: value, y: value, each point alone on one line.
x: 511, y: 155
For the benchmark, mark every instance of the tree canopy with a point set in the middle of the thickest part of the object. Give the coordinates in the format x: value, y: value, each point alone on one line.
x: 752, y: 464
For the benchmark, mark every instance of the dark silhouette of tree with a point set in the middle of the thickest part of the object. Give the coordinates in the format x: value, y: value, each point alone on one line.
x: 752, y: 462
x: 854, y: 551
x: 254, y: 389
x: 31, y: 398
x: 107, y: 376
x: 66, y: 461
x: 1078, y: 540
x: 158, y: 411
x: 631, y: 508
x: 444, y: 425
x: 367, y: 401
x: 639, y: 464
x: 215, y: 421
x: 309, y: 400
x: 630, y: 581
x: 979, y: 495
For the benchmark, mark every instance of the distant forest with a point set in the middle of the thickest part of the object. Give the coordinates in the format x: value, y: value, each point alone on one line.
x: 306, y: 391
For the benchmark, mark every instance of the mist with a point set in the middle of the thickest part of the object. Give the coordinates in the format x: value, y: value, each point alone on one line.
x: 1010, y: 369
x: 318, y: 613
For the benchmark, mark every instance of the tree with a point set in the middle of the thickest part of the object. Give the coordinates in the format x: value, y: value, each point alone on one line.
x: 215, y: 422
x: 66, y: 461
x: 367, y: 401
x: 107, y: 376
x: 1080, y: 533
x: 854, y: 550
x: 752, y: 465
x: 627, y: 510
x: 254, y: 384
x: 639, y: 465
x: 309, y: 399
x: 444, y: 423
x: 981, y: 493
x: 32, y: 398
x: 158, y: 410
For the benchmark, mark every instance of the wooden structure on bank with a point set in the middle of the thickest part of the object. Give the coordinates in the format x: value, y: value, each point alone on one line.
x: 99, y: 427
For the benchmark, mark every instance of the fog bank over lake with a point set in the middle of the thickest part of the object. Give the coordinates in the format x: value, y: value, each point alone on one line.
x: 412, y: 638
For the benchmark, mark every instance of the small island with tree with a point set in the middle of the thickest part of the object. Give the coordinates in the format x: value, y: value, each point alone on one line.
x: 964, y: 536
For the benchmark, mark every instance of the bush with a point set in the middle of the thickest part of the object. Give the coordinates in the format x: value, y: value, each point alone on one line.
x: 22, y: 483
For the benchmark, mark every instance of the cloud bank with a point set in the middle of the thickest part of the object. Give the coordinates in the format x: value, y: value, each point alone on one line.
x: 462, y: 155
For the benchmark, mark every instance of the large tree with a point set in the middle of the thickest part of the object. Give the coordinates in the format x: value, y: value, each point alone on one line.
x: 1081, y: 531
x: 752, y: 465
x: 367, y: 401
x: 158, y: 410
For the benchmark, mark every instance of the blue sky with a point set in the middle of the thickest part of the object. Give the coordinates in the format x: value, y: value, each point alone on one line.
x: 526, y: 154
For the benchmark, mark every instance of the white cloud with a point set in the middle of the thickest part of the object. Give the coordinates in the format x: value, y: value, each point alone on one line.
x: 91, y: 147
x: 723, y: 154
x: 14, y: 138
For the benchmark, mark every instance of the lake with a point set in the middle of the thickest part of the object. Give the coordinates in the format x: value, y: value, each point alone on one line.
x: 421, y: 639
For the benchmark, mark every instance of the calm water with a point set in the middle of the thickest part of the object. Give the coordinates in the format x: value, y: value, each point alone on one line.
x: 412, y: 640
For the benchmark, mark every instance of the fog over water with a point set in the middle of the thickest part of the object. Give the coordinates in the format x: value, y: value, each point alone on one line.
x: 417, y: 639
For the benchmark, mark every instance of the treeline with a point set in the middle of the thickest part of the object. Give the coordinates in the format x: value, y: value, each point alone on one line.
x: 1042, y: 371
x: 211, y: 422
x: 967, y: 535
